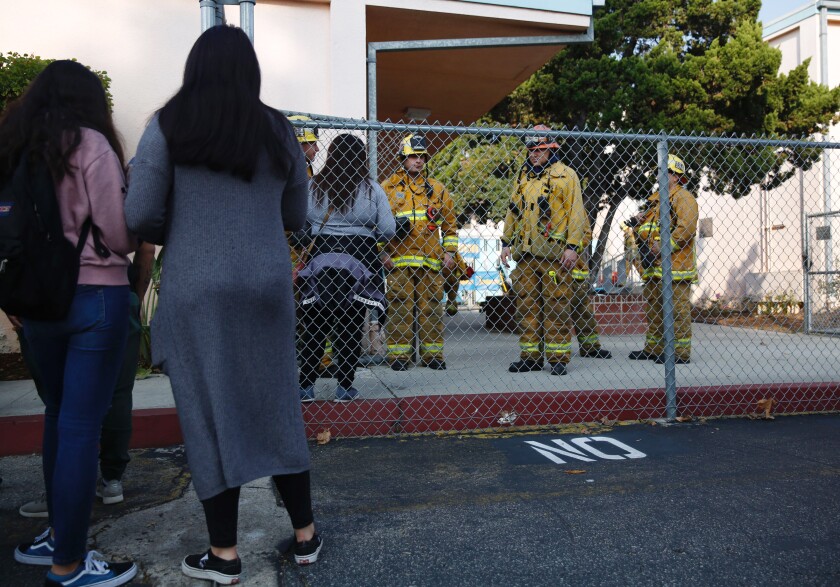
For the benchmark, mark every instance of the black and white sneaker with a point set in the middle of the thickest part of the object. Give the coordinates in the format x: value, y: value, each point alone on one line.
x: 306, y: 552
x: 212, y: 568
x: 37, y: 552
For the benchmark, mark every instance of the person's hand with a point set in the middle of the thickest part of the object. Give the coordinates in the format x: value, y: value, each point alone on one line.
x: 448, y: 261
x: 504, y: 257
x: 569, y: 259
x: 386, y: 262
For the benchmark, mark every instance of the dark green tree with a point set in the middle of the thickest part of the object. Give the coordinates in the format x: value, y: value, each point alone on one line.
x: 16, y: 71
x: 680, y: 66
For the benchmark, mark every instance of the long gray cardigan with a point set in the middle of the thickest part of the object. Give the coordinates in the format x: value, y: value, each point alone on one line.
x: 224, y: 328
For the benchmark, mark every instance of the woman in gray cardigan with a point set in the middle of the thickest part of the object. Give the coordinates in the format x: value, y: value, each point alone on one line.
x: 217, y: 178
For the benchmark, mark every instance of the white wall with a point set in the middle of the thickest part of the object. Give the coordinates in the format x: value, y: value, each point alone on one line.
x: 143, y: 47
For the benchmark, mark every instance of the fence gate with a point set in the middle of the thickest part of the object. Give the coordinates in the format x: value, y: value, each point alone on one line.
x: 822, y: 287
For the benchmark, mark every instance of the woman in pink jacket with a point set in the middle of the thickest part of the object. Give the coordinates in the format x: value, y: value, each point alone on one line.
x: 63, y: 119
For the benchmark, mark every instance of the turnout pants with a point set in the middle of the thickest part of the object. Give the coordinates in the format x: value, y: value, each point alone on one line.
x: 655, y: 338
x: 544, y: 292
x: 410, y: 288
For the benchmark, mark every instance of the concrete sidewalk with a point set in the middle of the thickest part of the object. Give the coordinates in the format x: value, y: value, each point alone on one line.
x: 725, y: 502
x: 732, y: 367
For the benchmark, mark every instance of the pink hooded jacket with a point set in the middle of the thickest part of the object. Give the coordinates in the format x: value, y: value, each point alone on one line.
x: 96, y: 187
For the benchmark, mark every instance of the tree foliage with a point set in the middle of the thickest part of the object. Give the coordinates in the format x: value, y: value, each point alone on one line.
x: 679, y: 66
x: 16, y: 71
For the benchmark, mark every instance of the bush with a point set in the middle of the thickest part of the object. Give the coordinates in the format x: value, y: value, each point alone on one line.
x: 17, y: 71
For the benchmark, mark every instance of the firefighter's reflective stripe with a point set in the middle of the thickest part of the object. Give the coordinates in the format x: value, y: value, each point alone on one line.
x: 432, y: 347
x: 580, y: 275
x: 450, y: 242
x: 413, y: 215
x: 656, y: 273
x: 588, y: 340
x: 558, y: 235
x: 652, y: 341
x: 399, y: 349
x: 417, y: 261
x: 530, y: 347
x: 558, y: 348
x: 683, y: 343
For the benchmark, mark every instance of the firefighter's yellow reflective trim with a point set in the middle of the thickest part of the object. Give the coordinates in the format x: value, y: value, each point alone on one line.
x: 656, y: 273
x: 432, y: 347
x: 415, y: 215
x: 399, y: 349
x: 328, y: 347
x: 580, y: 274
x: 450, y: 241
x: 530, y: 347
x: 558, y: 347
x: 557, y: 235
x: 417, y: 261
x: 590, y: 340
x: 683, y: 342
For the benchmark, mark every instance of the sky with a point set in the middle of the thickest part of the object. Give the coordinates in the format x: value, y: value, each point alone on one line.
x: 773, y: 9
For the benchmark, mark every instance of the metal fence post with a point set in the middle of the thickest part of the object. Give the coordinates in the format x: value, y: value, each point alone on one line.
x: 208, y: 14
x: 667, y: 282
x: 246, y: 17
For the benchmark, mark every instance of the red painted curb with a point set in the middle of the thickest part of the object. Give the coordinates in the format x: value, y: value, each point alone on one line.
x: 159, y: 427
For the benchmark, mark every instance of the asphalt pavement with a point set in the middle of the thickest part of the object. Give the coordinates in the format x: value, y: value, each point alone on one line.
x: 717, y: 502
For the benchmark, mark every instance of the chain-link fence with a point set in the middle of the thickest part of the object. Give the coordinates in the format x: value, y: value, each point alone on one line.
x: 532, y: 277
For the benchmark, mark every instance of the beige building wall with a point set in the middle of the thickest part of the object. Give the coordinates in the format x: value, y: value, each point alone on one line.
x: 143, y: 47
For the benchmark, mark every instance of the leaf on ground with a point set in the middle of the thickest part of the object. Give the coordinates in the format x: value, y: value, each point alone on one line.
x: 685, y: 419
x: 607, y: 422
x: 324, y: 436
x: 766, y: 405
x: 574, y: 471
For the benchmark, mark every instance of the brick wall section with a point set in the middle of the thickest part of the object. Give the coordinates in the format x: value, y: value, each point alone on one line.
x: 620, y: 314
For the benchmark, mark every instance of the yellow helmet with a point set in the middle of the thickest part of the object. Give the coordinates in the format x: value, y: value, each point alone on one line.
x: 676, y: 165
x: 303, y: 134
x: 414, y: 145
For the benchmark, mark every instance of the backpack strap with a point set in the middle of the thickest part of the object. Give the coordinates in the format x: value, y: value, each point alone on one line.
x: 100, y: 249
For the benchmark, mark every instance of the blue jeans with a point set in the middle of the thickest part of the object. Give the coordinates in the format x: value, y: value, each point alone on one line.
x: 78, y: 359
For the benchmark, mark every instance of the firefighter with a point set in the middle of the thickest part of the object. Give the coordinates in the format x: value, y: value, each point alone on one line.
x: 308, y: 139
x: 426, y: 242
x: 545, y: 233
x: 452, y: 281
x: 684, y: 217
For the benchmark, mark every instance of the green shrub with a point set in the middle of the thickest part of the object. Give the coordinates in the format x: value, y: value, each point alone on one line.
x: 17, y: 71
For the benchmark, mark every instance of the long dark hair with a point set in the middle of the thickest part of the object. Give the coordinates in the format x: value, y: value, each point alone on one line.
x: 47, y: 119
x: 344, y: 171
x: 217, y: 119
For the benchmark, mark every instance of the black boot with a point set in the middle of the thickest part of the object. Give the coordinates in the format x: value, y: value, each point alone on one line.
x: 399, y: 365
x: 596, y: 354
x: 641, y: 356
x: 436, y: 364
x: 660, y: 360
x: 525, y: 366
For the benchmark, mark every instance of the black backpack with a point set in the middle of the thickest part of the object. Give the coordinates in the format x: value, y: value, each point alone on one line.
x: 39, y: 267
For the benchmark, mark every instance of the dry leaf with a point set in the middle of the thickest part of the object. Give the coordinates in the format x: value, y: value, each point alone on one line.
x: 767, y: 406
x: 324, y: 436
x: 607, y: 422
x: 684, y: 419
x: 574, y: 471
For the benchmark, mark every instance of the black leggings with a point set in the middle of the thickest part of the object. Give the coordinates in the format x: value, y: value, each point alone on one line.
x: 222, y: 511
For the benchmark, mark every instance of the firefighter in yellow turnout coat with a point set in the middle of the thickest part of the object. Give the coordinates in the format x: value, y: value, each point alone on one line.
x: 684, y: 217
x: 424, y: 211
x: 545, y: 232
